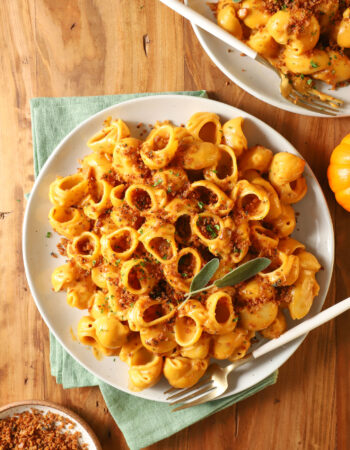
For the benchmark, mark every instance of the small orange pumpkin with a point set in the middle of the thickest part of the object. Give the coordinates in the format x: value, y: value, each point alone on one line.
x: 338, y: 173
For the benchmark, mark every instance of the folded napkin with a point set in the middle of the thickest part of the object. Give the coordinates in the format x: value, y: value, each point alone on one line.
x: 143, y: 422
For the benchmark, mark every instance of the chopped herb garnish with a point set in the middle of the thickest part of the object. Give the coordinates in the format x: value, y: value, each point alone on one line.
x: 48, y: 234
x: 157, y: 182
x: 313, y: 64
x: 201, y: 205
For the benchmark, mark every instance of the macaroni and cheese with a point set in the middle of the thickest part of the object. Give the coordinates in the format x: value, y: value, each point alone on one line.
x: 139, y: 220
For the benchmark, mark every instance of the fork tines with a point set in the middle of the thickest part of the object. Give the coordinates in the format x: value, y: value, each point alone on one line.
x: 184, y: 395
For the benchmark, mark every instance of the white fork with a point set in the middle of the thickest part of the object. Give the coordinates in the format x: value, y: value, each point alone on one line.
x: 215, y: 381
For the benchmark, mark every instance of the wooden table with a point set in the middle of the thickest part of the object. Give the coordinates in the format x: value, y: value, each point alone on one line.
x: 86, y: 47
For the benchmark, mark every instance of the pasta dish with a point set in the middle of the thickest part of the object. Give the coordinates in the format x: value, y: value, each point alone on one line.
x: 306, y: 39
x: 142, y: 217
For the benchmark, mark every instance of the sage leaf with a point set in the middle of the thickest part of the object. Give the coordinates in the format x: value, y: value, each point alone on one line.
x: 204, y: 275
x: 243, y: 272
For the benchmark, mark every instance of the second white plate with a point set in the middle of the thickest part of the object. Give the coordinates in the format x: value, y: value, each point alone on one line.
x: 251, y: 76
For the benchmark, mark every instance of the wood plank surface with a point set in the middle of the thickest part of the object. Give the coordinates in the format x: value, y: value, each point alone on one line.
x: 86, y: 47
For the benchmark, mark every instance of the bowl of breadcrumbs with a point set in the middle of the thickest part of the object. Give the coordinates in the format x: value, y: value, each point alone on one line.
x: 44, y: 425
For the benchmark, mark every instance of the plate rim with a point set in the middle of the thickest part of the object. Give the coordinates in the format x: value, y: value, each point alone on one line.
x: 105, y: 111
x: 285, y: 106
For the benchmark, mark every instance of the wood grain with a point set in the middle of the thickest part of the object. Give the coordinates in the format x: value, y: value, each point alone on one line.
x: 85, y: 47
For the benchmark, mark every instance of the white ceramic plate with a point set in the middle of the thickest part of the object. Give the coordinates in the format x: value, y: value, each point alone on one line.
x: 88, y: 436
x: 251, y: 76
x: 314, y: 228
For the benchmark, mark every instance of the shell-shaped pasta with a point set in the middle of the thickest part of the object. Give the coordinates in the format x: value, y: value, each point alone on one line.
x: 144, y: 198
x: 228, y: 20
x: 262, y: 42
x: 96, y: 165
x: 110, y: 332
x: 189, y: 323
x: 256, y: 158
x: 159, y: 339
x: 145, y: 369
x: 68, y: 222
x: 199, y: 350
x: 257, y: 14
x: 224, y: 173
x: 104, y: 141
x: 303, y: 293
x: 224, y: 345
x: 188, y: 330
x: 135, y: 276
x: 309, y: 63
x: 337, y: 71
x: 254, y: 291
x: 262, y: 238
x: 184, y: 372
x: 290, y: 246
x: 275, y: 204
x: 205, y: 127
x: 292, y: 192
x: 63, y: 276
x: 242, y: 339
x: 99, y: 305
x: 285, y: 223
x: 221, y: 316
x: 158, y: 239
x: 277, y: 327
x: 119, y: 245
x: 85, y: 249
x: 199, y: 155
x: 79, y: 293
x: 68, y: 191
x: 214, y: 199
x: 208, y: 227
x: 343, y: 35
x: 172, y: 180
x: 179, y: 213
x: 180, y: 273
x: 251, y: 199
x: 308, y: 261
x: 159, y: 148
x: 299, y: 39
x: 194, y: 309
x: 117, y: 195
x: 130, y: 347
x: 234, y: 136
x: 285, y: 168
x: 127, y: 161
x: 283, y: 271
x: 260, y: 318
x: 101, y: 274
x: 86, y: 331
x: 98, y: 201
x: 147, y: 313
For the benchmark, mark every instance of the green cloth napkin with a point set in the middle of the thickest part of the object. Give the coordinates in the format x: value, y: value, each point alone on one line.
x: 143, y: 422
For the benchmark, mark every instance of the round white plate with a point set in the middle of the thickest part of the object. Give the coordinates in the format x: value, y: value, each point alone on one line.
x: 251, y: 76
x: 88, y: 436
x: 314, y: 228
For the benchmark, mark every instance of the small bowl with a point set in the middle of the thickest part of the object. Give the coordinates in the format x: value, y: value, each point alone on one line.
x: 87, y: 435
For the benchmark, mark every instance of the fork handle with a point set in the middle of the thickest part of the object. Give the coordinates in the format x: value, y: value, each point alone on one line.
x: 209, y: 26
x: 303, y: 328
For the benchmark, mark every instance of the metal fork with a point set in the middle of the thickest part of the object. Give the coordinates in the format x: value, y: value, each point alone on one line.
x: 326, y: 105
x: 215, y: 381
x: 329, y: 106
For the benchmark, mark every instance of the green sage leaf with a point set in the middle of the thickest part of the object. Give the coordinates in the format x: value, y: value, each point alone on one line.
x: 204, y: 275
x: 243, y: 272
